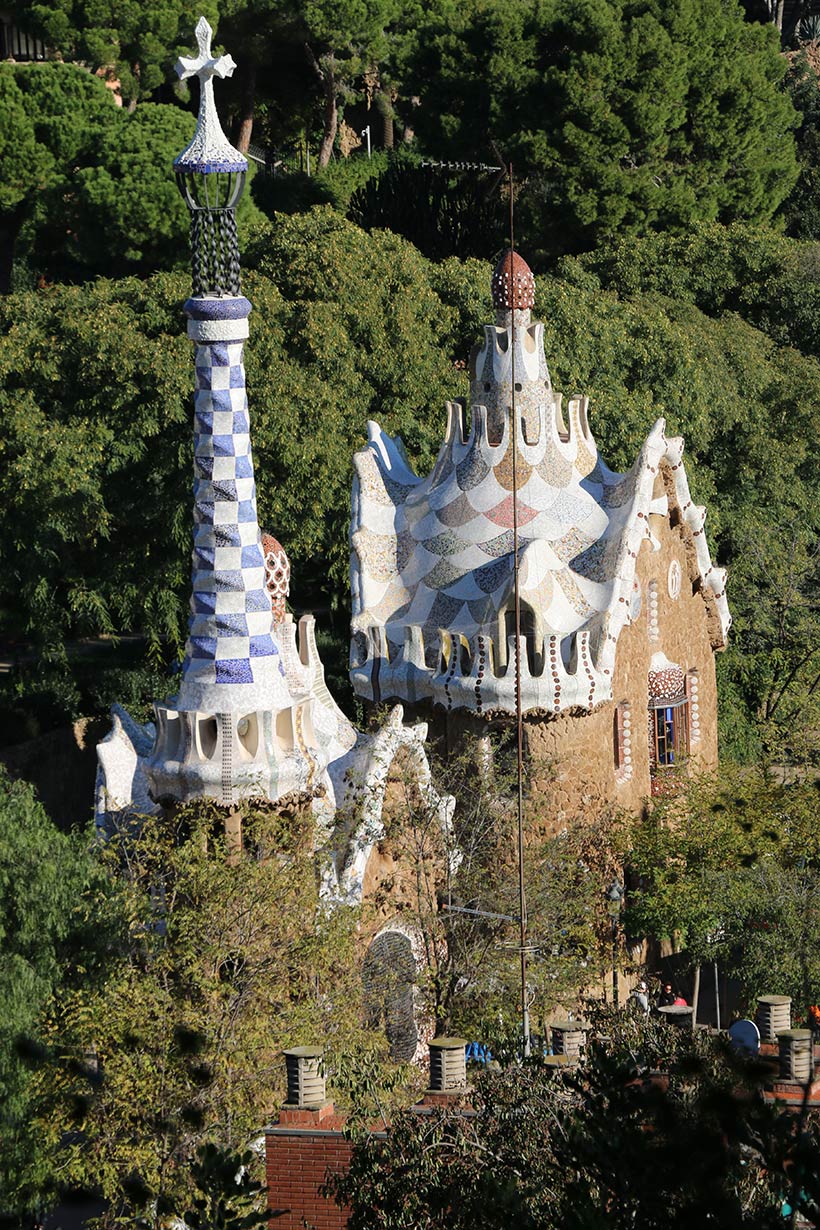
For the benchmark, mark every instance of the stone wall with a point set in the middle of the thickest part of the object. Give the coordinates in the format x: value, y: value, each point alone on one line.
x: 571, y: 758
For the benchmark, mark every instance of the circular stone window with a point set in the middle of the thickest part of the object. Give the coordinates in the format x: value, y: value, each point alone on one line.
x: 673, y: 580
x: 636, y: 601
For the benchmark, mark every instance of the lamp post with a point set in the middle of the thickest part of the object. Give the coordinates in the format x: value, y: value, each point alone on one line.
x: 615, y: 897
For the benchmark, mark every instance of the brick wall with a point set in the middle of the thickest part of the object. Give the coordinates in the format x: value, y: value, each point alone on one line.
x: 299, y: 1150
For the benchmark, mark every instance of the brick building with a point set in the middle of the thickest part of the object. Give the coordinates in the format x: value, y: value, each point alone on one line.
x: 622, y: 609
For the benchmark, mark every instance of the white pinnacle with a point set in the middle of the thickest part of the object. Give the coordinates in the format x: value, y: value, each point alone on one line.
x: 210, y: 149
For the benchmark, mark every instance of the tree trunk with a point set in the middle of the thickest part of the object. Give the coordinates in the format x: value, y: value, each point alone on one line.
x: 245, y: 127
x: 779, y: 18
x: 331, y: 119
x: 10, y: 224
x: 384, y: 106
x: 695, y: 997
x: 327, y: 77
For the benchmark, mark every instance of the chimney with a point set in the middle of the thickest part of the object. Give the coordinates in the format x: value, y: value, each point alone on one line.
x: 448, y: 1065
x: 569, y: 1038
x: 306, y: 1082
x: 795, y: 1055
x: 774, y: 1014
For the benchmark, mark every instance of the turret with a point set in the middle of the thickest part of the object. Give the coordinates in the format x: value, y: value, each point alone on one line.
x: 238, y: 726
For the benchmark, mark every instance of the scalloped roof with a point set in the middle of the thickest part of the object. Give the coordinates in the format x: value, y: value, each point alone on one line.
x: 432, y: 562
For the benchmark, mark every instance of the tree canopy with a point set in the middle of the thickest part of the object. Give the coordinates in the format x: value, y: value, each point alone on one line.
x: 622, y: 115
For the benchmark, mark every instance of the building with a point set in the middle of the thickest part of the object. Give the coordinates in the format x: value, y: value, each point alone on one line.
x: 253, y: 716
x: 621, y: 607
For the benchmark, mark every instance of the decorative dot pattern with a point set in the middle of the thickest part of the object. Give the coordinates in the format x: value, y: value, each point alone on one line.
x: 513, y: 284
x: 277, y: 576
x: 667, y: 684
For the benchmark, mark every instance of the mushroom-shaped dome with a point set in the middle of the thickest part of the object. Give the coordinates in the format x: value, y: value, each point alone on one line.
x: 277, y: 575
x: 666, y: 679
x: 513, y: 284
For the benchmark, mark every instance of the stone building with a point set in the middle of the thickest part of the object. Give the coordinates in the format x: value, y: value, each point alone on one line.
x: 621, y: 607
x: 253, y: 716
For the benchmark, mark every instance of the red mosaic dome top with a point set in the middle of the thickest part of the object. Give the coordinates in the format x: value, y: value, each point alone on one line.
x: 513, y: 284
x: 667, y: 682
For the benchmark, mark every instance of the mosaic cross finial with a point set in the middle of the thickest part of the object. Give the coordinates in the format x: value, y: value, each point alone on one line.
x: 210, y: 149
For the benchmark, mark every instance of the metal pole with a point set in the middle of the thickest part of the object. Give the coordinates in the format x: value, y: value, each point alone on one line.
x: 717, y: 996
x: 366, y: 133
x: 519, y: 714
x: 615, y: 960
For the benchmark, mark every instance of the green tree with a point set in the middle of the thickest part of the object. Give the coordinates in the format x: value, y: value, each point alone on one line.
x: 134, y: 43
x: 50, y: 937
x: 52, y: 114
x: 228, y: 958
x: 730, y: 869
x: 598, y: 1146
x: 622, y: 116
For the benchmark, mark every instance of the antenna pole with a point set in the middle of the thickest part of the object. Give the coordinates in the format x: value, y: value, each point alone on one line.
x: 519, y: 714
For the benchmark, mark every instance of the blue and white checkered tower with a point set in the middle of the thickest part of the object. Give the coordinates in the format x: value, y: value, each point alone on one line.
x: 236, y: 728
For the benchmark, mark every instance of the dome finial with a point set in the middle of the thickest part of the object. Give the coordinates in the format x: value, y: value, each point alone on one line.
x: 513, y: 284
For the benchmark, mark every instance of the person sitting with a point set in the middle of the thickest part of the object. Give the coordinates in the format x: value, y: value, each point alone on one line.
x: 667, y: 996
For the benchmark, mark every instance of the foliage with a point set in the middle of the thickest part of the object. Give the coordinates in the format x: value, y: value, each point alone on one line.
x: 50, y: 937
x: 731, y: 868
x: 335, y: 184
x: 227, y: 958
x: 443, y: 213
x: 539, y: 1147
x: 801, y: 208
x: 457, y: 891
x: 227, y: 1197
x: 622, y: 115
x: 348, y: 326
x: 134, y: 43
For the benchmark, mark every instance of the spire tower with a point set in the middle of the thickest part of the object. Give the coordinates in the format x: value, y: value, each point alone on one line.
x: 235, y: 728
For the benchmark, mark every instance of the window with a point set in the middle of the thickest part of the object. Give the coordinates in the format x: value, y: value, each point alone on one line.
x: 622, y: 741
x: 669, y: 727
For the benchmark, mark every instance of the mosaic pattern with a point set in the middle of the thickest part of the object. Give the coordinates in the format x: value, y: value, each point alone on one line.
x: 580, y: 530
x: 230, y: 650
x: 277, y: 576
x: 666, y: 679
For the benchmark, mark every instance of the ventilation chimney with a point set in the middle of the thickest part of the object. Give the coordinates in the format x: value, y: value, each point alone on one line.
x: 448, y: 1065
x: 795, y: 1055
x: 774, y: 1014
x: 569, y: 1038
x: 306, y: 1083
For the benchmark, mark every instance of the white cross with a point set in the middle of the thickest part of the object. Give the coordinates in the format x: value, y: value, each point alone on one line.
x: 204, y: 65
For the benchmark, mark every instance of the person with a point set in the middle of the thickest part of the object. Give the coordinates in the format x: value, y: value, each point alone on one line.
x: 814, y: 1021
x: 639, y: 998
x: 667, y: 996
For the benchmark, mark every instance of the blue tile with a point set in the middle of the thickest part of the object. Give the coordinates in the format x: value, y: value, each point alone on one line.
x: 252, y: 557
x: 227, y: 536
x: 203, y: 558
x: 234, y: 670
x: 224, y: 489
x: 244, y: 467
x: 203, y: 377
x: 204, y: 511
x: 220, y: 399
x: 229, y: 581
x: 231, y: 625
x: 237, y: 378
x: 262, y: 646
x: 203, y: 647
x: 240, y: 421
x: 203, y: 466
x: 219, y: 354
x: 203, y: 603
x: 223, y: 446
x: 257, y: 600
x: 247, y: 511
